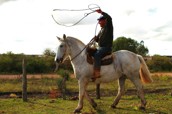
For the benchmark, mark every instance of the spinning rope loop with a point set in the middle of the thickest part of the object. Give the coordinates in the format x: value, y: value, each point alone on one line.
x: 85, y: 15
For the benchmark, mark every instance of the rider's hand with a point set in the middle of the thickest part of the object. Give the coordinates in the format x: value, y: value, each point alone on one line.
x: 99, y: 11
x: 95, y: 38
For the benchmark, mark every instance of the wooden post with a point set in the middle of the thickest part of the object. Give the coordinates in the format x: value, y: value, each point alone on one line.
x: 64, y: 88
x: 24, y: 81
x: 98, y: 91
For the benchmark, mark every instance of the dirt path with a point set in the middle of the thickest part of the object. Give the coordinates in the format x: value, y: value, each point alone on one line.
x: 29, y: 76
x: 162, y: 74
x: 38, y: 76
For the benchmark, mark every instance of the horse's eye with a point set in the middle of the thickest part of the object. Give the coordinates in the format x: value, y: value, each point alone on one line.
x: 61, y: 46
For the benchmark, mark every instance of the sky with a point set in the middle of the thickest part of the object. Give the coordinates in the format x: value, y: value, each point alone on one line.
x: 27, y: 26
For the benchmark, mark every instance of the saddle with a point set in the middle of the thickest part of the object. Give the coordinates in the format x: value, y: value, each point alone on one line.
x: 106, y: 59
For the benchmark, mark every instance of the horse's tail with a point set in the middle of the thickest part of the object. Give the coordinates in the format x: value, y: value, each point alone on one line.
x: 144, y: 71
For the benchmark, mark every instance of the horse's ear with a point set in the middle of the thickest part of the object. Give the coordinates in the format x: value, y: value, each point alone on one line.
x: 64, y: 36
x: 59, y: 38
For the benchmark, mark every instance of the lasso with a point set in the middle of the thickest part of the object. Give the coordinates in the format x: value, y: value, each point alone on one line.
x: 85, y: 15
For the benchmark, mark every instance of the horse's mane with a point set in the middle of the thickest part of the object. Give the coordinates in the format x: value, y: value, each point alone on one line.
x: 73, y: 40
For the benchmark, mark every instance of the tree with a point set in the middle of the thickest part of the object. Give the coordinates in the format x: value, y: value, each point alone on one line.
x: 123, y: 43
x: 141, y: 49
x: 48, y: 52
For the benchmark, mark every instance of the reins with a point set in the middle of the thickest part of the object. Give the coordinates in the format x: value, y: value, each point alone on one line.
x: 92, y: 40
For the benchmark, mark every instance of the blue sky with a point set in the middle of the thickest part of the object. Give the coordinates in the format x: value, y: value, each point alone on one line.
x: 27, y: 26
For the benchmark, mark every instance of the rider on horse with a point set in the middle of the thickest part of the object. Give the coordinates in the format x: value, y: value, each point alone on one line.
x: 104, y: 39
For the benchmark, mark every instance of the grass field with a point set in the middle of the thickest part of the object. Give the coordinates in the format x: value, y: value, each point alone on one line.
x: 158, y: 96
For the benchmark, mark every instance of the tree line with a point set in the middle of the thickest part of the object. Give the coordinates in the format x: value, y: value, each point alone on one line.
x: 11, y: 63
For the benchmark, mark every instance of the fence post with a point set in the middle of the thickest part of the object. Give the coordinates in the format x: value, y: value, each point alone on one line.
x: 24, y: 81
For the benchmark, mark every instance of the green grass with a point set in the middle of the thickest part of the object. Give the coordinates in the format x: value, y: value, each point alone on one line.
x: 157, y: 104
x: 158, y: 96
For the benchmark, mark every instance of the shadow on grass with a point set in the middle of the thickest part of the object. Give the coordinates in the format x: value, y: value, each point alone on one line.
x: 154, y: 111
x: 117, y: 110
x: 46, y: 105
x: 99, y: 111
x: 137, y: 110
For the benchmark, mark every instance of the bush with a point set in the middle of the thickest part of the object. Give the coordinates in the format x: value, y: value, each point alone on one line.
x: 160, y: 63
x: 12, y: 63
x: 61, y: 82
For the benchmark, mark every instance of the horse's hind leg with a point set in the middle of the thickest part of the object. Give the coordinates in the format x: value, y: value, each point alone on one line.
x: 121, y: 90
x: 140, y: 92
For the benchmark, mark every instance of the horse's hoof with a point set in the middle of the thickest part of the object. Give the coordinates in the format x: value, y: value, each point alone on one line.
x: 142, y: 108
x: 112, y: 106
x: 76, y: 111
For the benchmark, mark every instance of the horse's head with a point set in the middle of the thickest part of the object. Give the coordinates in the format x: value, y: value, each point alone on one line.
x: 62, y: 51
x: 69, y: 47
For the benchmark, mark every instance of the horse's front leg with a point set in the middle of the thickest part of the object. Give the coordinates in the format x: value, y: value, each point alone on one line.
x: 82, y: 88
x: 91, y: 101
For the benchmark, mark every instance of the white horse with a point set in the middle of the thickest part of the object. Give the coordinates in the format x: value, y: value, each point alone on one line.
x: 125, y: 65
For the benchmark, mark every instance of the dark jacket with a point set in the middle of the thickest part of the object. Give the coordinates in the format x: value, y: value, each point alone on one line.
x: 105, y: 36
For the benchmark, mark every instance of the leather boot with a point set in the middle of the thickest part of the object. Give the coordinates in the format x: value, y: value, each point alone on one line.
x: 96, y: 74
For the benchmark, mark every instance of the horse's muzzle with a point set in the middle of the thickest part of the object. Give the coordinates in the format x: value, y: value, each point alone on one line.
x: 59, y: 60
x: 57, y: 66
